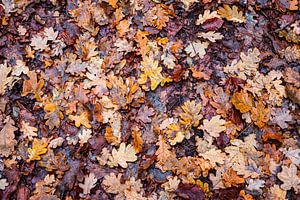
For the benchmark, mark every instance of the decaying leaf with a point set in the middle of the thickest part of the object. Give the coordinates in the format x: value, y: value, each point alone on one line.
x: 89, y: 183
x: 29, y: 131
x: 230, y: 178
x: 53, y: 115
x: 123, y: 155
x: 191, y: 113
x: 242, y: 101
x: 197, y: 48
x: 33, y: 86
x: 39, y: 147
x: 7, y: 138
x: 214, y: 126
x: 289, y: 177
x: 82, y: 119
x: 231, y: 14
x: 260, y: 115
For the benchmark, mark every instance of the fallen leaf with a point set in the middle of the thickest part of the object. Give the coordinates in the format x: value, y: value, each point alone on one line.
x: 214, y: 126
x: 39, y: 147
x: 123, y: 155
x: 242, y: 101
x: 137, y: 140
x: 206, y: 16
x: 5, y: 79
x: 53, y: 115
x: 197, y: 48
x: 191, y: 113
x: 3, y: 184
x: 144, y: 114
x: 82, y: 119
x: 230, y: 178
x: 260, y: 115
x: 84, y: 135
x: 7, y: 138
x: 29, y: 131
x: 211, y: 36
x: 231, y: 14
x: 33, y: 86
x: 89, y: 183
x: 289, y: 177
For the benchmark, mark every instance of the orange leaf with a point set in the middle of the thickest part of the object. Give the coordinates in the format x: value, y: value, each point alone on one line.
x: 110, y: 138
x: 242, y: 101
x: 230, y: 178
x: 39, y: 147
x: 137, y: 140
x: 260, y: 115
x: 82, y: 119
x: 113, y: 3
x: 123, y: 27
x: 53, y: 115
x: 32, y: 85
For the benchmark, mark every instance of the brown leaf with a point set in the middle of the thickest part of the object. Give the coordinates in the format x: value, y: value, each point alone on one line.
x: 7, y: 138
x: 230, y: 178
x: 33, y: 86
x: 260, y: 115
x: 144, y: 114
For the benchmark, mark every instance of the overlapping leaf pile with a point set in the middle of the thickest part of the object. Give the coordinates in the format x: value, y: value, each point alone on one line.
x: 138, y: 99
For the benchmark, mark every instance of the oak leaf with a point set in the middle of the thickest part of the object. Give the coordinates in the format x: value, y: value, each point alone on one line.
x: 112, y: 184
x: 242, y: 101
x: 211, y: 36
x: 191, y: 113
x: 214, y: 126
x: 5, y: 79
x: 231, y: 14
x: 89, y: 183
x: 50, y: 34
x: 214, y: 156
x: 144, y: 114
x: 206, y: 16
x: 84, y: 135
x: 137, y: 140
x: 29, y: 131
x: 289, y: 177
x: 123, y: 27
x: 53, y: 115
x: 3, y: 184
x: 230, y: 178
x: 188, y: 3
x: 33, y: 86
x: 82, y: 119
x: 195, y: 48
x: 260, y: 115
x: 123, y: 155
x: 151, y: 70
x: 39, y: 147
x: 39, y: 43
x: 7, y: 138
x: 113, y: 3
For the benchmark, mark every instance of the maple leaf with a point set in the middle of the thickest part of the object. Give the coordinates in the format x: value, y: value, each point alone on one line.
x: 206, y: 16
x: 191, y: 113
x: 231, y: 14
x: 82, y: 119
x: 144, y: 114
x: 7, y: 138
x: 29, y: 131
x: 84, y: 135
x: 214, y: 126
x: 195, y: 48
x: 289, y: 177
x: 89, y: 183
x: 53, y: 115
x: 39, y: 147
x: 230, y: 178
x: 260, y: 115
x: 211, y: 36
x: 137, y: 140
x: 3, y: 184
x: 123, y: 27
x: 151, y: 70
x: 33, y: 86
x: 242, y: 101
x: 39, y: 43
x: 4, y: 78
x: 123, y: 155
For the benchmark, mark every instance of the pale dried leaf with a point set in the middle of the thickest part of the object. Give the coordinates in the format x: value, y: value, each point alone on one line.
x: 89, y: 183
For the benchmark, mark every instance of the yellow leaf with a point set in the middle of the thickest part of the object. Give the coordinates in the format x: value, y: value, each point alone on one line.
x: 231, y: 14
x: 191, y: 113
x: 242, y: 101
x: 39, y: 147
x: 151, y: 70
x: 82, y: 119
